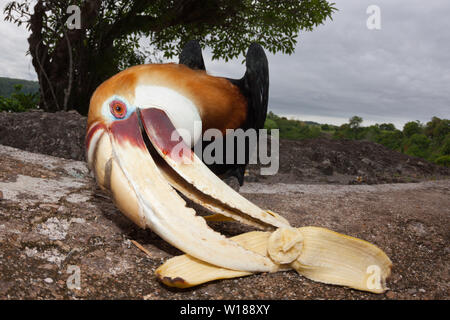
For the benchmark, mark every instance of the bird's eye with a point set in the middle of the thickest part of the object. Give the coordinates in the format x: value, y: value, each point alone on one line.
x: 118, y: 109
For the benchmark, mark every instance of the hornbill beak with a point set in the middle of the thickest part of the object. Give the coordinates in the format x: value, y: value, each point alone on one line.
x: 138, y: 175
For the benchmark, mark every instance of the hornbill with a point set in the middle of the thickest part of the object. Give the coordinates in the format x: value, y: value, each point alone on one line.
x: 141, y: 131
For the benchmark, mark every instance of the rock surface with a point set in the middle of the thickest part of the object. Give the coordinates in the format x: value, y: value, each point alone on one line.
x: 54, y: 222
x: 59, y: 134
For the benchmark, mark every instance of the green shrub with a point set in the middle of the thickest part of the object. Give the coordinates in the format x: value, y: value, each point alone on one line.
x: 270, y: 124
x: 292, y: 129
x: 445, y: 149
x: 418, y: 146
x: 19, y: 101
x: 371, y: 133
x: 387, y: 127
x: 437, y: 129
x: 390, y: 139
x: 443, y: 161
x: 411, y: 128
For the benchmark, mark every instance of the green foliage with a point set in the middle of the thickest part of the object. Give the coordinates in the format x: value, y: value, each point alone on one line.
x: 228, y: 27
x: 350, y: 130
x: 370, y: 133
x: 387, y: 127
x: 292, y: 129
x: 7, y: 86
x: 443, y: 161
x: 390, y: 139
x: 438, y: 129
x: 343, y: 132
x: 445, y: 149
x: 19, y: 101
x: 418, y: 146
x: 326, y: 127
x: 270, y: 124
x: 355, y: 122
x: 411, y: 128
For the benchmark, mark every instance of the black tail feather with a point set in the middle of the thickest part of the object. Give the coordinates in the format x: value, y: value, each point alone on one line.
x: 255, y: 86
x: 191, y: 56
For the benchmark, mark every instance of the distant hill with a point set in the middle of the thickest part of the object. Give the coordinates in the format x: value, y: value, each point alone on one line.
x: 7, y: 86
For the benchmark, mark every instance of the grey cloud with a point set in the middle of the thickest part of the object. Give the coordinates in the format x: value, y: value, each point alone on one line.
x: 396, y: 74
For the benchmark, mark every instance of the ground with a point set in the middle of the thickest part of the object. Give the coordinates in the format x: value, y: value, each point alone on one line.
x: 53, y: 220
x: 52, y: 217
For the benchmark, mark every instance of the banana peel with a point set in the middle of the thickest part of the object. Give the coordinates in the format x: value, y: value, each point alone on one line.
x: 316, y: 253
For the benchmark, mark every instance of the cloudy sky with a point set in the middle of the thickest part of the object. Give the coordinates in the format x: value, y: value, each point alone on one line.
x: 396, y: 74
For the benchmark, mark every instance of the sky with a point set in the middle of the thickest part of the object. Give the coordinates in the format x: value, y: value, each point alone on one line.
x: 396, y: 74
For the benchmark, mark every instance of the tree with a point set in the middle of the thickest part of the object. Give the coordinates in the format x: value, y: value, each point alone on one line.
x: 411, y: 128
x: 372, y: 132
x: 445, y: 149
x: 387, y: 127
x: 71, y: 63
x: 391, y: 139
x: 354, y: 124
x: 418, y: 145
x: 437, y: 129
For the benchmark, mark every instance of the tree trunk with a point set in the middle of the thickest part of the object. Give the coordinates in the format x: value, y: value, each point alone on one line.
x: 66, y: 75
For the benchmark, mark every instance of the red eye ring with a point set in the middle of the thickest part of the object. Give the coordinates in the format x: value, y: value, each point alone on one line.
x: 118, y: 109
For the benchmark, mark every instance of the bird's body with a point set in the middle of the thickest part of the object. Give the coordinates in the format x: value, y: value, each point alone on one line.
x: 139, y: 117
